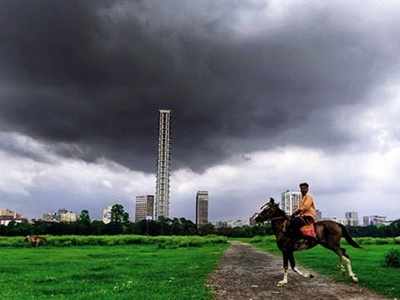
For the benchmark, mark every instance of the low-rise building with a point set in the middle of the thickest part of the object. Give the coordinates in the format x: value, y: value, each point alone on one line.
x: 231, y: 223
x: 62, y: 215
x: 7, y: 216
x: 338, y: 220
x: 106, y: 215
x: 68, y: 217
x: 221, y: 224
x: 49, y: 217
x: 374, y: 220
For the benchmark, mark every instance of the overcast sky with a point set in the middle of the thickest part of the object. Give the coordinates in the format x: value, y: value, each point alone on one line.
x: 265, y: 95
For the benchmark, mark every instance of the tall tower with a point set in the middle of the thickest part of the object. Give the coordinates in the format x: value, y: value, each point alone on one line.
x: 163, y: 166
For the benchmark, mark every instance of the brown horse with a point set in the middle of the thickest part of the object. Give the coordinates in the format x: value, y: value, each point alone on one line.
x: 35, y: 240
x: 328, y: 233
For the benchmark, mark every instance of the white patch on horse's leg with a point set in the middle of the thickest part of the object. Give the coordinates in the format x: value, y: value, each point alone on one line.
x: 306, y: 275
x: 347, y: 263
x: 340, y: 266
x: 284, y: 280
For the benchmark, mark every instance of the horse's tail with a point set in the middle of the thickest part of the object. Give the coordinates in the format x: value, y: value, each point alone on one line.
x: 348, y: 237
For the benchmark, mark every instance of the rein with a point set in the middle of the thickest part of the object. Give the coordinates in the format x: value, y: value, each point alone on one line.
x: 278, y: 218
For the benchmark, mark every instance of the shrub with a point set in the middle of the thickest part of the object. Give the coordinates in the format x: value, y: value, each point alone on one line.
x: 257, y: 239
x: 365, y: 241
x: 374, y: 241
x: 392, y: 259
x: 382, y: 241
x: 263, y: 239
x: 74, y: 240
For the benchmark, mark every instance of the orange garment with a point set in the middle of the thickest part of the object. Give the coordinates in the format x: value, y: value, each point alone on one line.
x: 307, y: 206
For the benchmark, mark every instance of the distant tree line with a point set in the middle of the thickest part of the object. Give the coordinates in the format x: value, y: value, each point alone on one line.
x: 163, y: 226
x: 392, y: 230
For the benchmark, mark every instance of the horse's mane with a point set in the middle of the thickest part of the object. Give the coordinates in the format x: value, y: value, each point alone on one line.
x: 282, y: 212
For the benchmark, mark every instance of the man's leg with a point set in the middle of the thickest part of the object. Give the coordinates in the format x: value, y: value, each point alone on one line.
x: 294, y: 228
x: 309, y: 221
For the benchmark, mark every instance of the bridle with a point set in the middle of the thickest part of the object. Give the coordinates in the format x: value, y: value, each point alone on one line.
x: 278, y: 218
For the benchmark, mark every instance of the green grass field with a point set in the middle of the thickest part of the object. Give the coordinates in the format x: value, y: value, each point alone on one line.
x: 153, y: 271
x: 367, y: 264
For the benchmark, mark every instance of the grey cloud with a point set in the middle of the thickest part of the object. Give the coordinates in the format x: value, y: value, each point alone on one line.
x: 94, y: 73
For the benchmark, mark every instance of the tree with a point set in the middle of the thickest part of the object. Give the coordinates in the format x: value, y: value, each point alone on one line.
x: 118, y: 214
x: 84, y: 217
x: 205, y: 229
x: 125, y: 218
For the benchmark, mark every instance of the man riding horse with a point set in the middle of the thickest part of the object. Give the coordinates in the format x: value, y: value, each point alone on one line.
x: 326, y: 233
x: 304, y: 215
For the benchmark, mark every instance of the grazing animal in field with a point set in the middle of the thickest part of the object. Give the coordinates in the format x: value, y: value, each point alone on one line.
x: 35, y: 240
x: 328, y: 234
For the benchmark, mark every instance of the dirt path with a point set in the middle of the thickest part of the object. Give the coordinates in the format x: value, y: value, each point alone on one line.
x: 246, y: 273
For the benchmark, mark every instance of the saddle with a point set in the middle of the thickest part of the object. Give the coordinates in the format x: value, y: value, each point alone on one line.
x: 308, y: 230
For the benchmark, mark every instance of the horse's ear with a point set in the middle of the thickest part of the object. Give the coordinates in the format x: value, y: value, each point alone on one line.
x: 271, y: 200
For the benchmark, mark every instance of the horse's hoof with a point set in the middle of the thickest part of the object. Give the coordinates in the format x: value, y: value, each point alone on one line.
x: 355, y: 279
x: 281, y: 283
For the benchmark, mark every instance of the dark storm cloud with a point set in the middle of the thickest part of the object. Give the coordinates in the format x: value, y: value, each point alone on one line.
x: 94, y: 73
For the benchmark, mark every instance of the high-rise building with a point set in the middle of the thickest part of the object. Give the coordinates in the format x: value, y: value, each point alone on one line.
x: 374, y: 220
x: 201, y: 208
x: 351, y: 218
x: 290, y: 201
x: 163, y: 165
x: 144, y: 207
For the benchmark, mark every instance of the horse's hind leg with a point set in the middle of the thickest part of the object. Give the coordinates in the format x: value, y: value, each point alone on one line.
x: 340, y: 266
x: 347, y: 263
x: 345, y: 259
x: 293, y: 266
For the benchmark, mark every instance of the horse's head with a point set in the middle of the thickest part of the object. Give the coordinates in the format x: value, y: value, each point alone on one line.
x: 269, y: 211
x: 27, y: 238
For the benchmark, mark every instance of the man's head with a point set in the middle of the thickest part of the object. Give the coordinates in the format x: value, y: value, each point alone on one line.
x: 303, y: 188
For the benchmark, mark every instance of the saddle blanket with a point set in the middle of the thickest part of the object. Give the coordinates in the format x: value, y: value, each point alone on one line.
x: 308, y: 230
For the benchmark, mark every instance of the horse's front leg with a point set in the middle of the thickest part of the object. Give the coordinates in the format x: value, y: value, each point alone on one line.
x: 285, y: 269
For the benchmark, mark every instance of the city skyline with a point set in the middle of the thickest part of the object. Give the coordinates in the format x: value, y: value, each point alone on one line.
x: 264, y: 95
x: 288, y: 203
